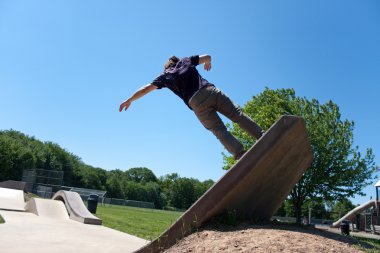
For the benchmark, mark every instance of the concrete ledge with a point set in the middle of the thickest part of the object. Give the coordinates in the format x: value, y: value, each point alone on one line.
x: 255, y: 187
x: 76, y: 208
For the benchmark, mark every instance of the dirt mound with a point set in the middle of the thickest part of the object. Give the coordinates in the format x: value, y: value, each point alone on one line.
x: 265, y: 238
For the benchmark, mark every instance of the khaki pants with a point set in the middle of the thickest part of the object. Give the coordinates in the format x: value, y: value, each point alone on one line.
x: 210, y: 100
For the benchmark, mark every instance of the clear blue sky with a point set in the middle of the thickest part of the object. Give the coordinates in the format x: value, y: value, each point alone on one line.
x: 65, y: 66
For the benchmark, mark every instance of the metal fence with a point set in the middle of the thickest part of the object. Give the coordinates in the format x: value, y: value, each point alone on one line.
x: 125, y: 202
x: 44, y: 191
x: 305, y: 221
x: 85, y: 193
x: 43, y: 182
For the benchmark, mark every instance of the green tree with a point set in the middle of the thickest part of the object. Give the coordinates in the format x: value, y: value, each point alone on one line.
x: 134, y: 191
x: 202, y: 187
x: 14, y: 156
x: 25, y: 152
x: 141, y: 175
x: 183, y: 193
x: 167, y: 181
x: 153, y: 194
x: 317, y: 207
x: 166, y: 184
x: 338, y: 170
x: 340, y: 208
x: 92, y: 178
x: 62, y: 160
x: 114, y: 185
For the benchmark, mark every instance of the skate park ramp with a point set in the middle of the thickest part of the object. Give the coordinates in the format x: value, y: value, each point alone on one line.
x: 255, y: 187
x: 12, y: 199
x: 47, y: 208
x: 45, y: 227
x: 75, y: 207
x: 351, y: 214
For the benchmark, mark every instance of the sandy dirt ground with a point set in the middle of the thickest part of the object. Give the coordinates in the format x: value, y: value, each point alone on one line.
x: 265, y: 238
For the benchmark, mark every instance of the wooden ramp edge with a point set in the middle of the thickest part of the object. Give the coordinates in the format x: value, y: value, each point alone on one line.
x: 76, y: 208
x: 254, y: 187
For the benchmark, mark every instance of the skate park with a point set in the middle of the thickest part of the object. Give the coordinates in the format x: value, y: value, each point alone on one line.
x: 63, y: 223
x: 67, y: 66
x: 48, y: 225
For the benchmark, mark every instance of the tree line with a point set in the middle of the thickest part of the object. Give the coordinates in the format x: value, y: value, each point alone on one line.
x: 318, y: 209
x: 19, y: 151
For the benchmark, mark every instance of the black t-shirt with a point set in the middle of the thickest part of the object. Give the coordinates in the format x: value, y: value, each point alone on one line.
x: 183, y: 78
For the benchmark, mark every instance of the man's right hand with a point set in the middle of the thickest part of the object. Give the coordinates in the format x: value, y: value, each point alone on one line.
x: 138, y: 94
x: 125, y: 105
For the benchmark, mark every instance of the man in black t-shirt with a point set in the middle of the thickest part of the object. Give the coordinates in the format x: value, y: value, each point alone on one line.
x: 182, y: 78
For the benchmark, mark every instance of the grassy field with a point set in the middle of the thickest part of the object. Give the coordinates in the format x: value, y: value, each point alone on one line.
x: 141, y: 222
x: 373, y: 243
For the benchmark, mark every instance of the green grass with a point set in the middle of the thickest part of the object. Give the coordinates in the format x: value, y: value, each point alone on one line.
x: 141, y: 222
x: 373, y: 243
x: 1, y: 220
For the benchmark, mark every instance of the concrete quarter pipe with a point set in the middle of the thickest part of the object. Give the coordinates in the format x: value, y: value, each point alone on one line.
x: 254, y: 187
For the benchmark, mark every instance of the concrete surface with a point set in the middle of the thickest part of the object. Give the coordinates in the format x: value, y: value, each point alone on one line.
x: 12, y: 199
x: 46, y: 227
x: 27, y: 232
x: 76, y: 208
x: 255, y: 187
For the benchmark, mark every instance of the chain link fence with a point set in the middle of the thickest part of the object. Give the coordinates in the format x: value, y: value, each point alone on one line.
x: 125, y: 202
x: 43, y: 182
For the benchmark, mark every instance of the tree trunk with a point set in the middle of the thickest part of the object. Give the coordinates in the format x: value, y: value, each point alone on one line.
x: 298, y: 212
x: 297, y: 201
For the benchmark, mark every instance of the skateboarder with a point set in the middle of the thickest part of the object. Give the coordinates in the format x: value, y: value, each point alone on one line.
x: 201, y: 96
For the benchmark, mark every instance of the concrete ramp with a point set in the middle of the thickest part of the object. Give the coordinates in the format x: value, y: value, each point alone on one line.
x: 27, y: 232
x: 76, y: 208
x: 255, y: 187
x: 351, y: 214
x: 12, y: 199
x: 47, y: 208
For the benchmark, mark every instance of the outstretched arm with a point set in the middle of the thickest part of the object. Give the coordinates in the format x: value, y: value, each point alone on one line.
x: 206, y: 60
x: 138, y: 94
